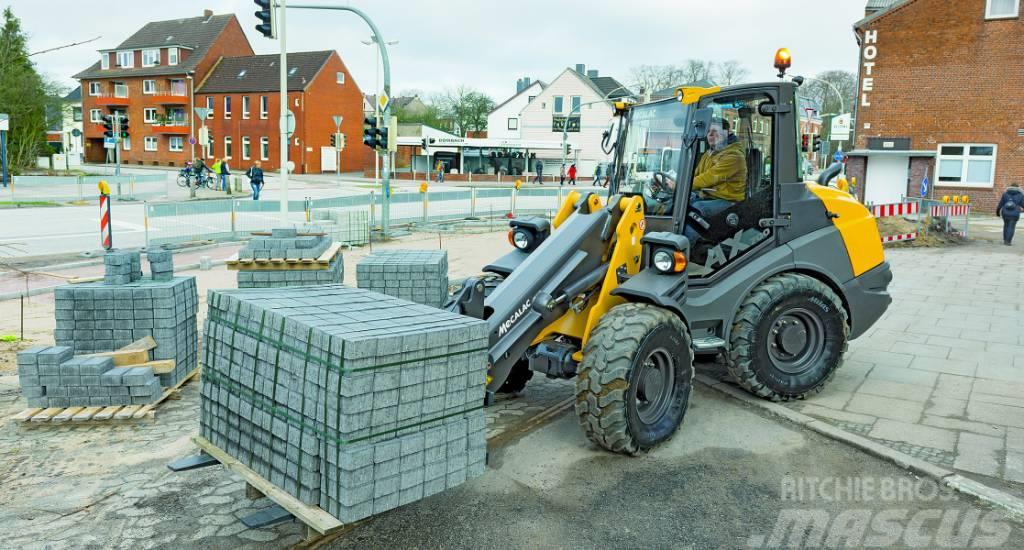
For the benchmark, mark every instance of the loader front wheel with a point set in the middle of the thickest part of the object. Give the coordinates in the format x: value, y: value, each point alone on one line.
x: 788, y: 338
x: 635, y: 380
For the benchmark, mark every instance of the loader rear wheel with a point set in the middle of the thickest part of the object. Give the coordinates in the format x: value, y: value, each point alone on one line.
x: 788, y: 338
x: 635, y: 380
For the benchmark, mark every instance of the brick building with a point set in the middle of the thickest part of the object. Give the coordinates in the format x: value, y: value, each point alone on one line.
x: 150, y: 77
x: 939, y: 96
x: 244, y: 95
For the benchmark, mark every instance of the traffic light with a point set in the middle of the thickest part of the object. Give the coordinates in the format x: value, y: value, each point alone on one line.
x: 392, y: 144
x: 805, y: 142
x: 341, y: 140
x: 124, y: 127
x: 268, y: 16
x: 108, y: 126
x: 334, y: 140
x: 382, y: 138
x: 817, y: 143
x: 371, y: 133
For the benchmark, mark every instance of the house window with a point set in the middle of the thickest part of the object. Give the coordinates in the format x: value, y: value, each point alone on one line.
x: 149, y: 115
x: 209, y: 105
x: 76, y: 114
x: 149, y: 86
x: 178, y: 87
x: 264, y: 148
x: 966, y: 165
x: 513, y: 123
x: 530, y: 98
x: 245, y: 106
x: 104, y: 61
x: 95, y: 88
x: 245, y: 148
x: 150, y: 143
x: 227, y: 106
x: 227, y: 146
x: 172, y: 56
x: 95, y: 115
x: 575, y: 100
x: 150, y: 58
x: 210, y: 142
x: 1001, y: 9
x: 177, y: 144
x: 126, y: 143
x: 558, y: 103
x: 126, y: 60
x: 340, y: 76
x: 263, y: 106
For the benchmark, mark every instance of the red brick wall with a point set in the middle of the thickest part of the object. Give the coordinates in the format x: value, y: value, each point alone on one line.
x: 945, y: 74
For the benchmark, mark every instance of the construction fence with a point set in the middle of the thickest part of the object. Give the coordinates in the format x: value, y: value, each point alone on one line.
x: 81, y: 188
x: 919, y: 216
x: 347, y: 219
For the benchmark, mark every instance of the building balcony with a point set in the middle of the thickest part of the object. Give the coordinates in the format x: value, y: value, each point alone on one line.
x: 170, y: 96
x: 170, y: 127
x: 111, y: 100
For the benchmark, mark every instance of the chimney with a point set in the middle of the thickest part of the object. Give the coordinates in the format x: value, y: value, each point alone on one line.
x: 526, y: 82
x: 207, y: 13
x: 592, y: 73
x: 519, y: 85
x: 581, y: 68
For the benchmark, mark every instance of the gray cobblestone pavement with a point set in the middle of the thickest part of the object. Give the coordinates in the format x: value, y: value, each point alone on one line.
x: 108, y: 486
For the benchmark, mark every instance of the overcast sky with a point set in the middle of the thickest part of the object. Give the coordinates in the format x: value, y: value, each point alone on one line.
x: 486, y: 44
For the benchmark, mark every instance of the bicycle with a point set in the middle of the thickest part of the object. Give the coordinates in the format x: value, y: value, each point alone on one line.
x: 185, y: 177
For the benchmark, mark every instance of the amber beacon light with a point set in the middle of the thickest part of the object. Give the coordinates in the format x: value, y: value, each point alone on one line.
x: 783, y: 60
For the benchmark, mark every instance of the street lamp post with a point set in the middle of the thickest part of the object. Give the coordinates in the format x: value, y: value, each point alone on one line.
x: 376, y: 100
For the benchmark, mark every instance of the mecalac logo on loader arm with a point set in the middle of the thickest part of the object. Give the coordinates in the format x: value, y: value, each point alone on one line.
x: 503, y: 328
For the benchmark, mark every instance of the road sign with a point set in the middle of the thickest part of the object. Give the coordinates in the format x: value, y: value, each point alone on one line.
x: 290, y: 166
x: 202, y: 112
x: 924, y: 187
x: 191, y: 140
x: 289, y: 125
x: 5, y: 122
x: 841, y: 127
x: 337, y: 120
x: 383, y: 100
x: 76, y: 132
x: 109, y: 143
x: 838, y: 157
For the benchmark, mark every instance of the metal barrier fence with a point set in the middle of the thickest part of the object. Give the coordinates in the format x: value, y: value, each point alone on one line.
x: 78, y: 188
x: 349, y: 219
x: 949, y: 218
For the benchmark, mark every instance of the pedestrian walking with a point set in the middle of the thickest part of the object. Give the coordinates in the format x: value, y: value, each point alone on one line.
x: 572, y: 174
x: 539, y: 179
x: 597, y: 175
x: 1010, y: 205
x: 255, y: 175
x: 224, y: 173
x: 561, y: 175
x: 440, y: 171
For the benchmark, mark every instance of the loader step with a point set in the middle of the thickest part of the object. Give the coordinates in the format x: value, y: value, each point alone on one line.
x: 708, y: 344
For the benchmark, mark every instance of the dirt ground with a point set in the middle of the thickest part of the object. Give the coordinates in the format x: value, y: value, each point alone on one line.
x: 466, y: 255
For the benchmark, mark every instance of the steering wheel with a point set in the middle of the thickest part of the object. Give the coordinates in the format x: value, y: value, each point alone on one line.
x: 661, y: 191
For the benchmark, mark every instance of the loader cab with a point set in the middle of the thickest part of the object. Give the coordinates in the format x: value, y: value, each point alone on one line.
x: 726, y: 200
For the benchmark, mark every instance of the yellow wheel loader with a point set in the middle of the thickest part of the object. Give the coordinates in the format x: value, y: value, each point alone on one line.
x: 621, y: 292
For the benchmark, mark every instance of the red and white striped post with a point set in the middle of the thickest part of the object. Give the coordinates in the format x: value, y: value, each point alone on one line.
x: 105, y: 233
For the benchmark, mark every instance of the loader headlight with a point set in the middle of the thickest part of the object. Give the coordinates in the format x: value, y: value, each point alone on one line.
x: 669, y: 261
x: 520, y: 239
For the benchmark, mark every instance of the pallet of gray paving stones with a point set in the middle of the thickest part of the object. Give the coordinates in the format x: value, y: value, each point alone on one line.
x: 121, y: 267
x: 420, y: 276
x: 96, y: 317
x: 264, y: 278
x: 52, y: 376
x: 347, y: 399
x: 286, y: 244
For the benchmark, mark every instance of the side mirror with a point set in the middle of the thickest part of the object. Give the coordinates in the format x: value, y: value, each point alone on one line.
x: 701, y: 124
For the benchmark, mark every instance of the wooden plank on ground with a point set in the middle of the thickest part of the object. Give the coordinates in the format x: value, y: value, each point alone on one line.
x: 27, y: 414
x: 159, y: 366
x: 46, y: 414
x: 313, y: 516
x: 144, y: 410
x: 66, y: 414
x: 329, y: 254
x: 127, y: 412
x: 87, y: 413
x: 107, y: 413
x: 136, y: 352
x: 78, y: 280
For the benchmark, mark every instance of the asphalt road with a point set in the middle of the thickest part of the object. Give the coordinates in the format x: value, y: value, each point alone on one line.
x: 719, y: 483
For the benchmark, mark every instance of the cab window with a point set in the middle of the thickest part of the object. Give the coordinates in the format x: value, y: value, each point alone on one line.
x: 650, y: 157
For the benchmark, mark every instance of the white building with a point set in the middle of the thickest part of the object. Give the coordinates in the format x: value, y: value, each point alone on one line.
x: 71, y: 128
x: 503, y: 121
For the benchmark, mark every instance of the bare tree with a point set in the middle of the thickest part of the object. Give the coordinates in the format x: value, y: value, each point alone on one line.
x: 818, y: 88
x: 465, y: 107
x: 652, y: 78
x: 695, y: 69
x: 730, y: 72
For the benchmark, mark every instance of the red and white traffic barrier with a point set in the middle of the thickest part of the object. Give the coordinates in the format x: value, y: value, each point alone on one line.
x: 895, y: 209
x: 897, y: 238
x: 105, y: 237
x: 947, y: 210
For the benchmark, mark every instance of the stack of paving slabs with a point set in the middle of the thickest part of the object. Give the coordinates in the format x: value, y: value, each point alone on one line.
x: 419, y: 276
x: 161, y: 265
x: 121, y: 267
x: 100, y: 317
x: 54, y: 377
x: 288, y: 244
x: 347, y: 399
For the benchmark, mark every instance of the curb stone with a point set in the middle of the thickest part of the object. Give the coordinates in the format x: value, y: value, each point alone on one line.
x: 1012, y: 505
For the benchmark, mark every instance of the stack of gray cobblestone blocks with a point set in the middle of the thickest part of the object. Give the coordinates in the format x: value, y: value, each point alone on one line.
x: 288, y: 244
x: 161, y: 264
x: 54, y: 377
x: 419, y: 276
x: 347, y: 399
x: 98, y: 317
x: 121, y: 267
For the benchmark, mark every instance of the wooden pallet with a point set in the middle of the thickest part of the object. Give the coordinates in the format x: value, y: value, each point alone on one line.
x: 98, y: 415
x: 284, y: 264
x: 318, y: 523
